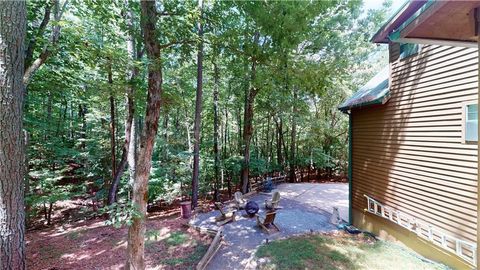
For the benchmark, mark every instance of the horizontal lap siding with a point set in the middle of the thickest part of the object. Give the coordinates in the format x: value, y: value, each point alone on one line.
x: 409, y: 153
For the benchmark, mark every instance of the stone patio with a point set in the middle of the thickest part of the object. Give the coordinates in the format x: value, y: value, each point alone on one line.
x: 306, y: 207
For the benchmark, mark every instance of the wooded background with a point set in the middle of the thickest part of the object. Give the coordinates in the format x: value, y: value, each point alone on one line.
x: 129, y: 104
x: 268, y: 74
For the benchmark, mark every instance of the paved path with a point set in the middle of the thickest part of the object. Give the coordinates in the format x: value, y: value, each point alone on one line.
x: 306, y: 207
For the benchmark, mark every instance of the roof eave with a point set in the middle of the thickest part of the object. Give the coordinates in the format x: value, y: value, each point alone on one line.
x: 398, y: 18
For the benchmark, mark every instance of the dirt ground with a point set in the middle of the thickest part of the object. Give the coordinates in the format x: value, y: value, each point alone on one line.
x: 90, y: 244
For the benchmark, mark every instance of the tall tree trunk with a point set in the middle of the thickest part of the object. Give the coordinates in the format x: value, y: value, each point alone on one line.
x: 136, y: 232
x: 240, y: 133
x: 70, y: 123
x: 226, y: 135
x: 279, y: 124
x: 198, y: 111
x: 82, y: 112
x: 286, y: 155
x: 112, y: 193
x: 215, y: 131
x: 294, y: 136
x: 165, y: 138
x: 250, y: 95
x: 270, y: 145
x: 26, y: 177
x: 129, y: 104
x: 48, y: 117
x: 267, y: 141
x: 12, y: 151
x: 112, y: 135
x: 132, y: 151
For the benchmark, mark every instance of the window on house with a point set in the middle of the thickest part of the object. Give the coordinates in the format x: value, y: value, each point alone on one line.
x: 408, y: 49
x: 471, y: 122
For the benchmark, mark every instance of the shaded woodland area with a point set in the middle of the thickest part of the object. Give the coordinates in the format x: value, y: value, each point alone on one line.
x: 129, y: 106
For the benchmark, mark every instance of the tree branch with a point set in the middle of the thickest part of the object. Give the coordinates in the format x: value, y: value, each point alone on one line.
x: 165, y: 13
x: 176, y: 42
x: 47, y: 51
x: 33, y: 41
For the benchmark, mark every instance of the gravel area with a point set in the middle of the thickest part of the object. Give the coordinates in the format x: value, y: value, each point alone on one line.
x: 305, y: 208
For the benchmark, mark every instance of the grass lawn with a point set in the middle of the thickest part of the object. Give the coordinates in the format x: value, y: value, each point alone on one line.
x: 340, y: 251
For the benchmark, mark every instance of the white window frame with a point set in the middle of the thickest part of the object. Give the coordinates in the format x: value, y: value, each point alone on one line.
x: 464, y: 121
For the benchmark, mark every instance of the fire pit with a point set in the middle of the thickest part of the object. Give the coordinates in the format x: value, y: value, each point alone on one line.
x: 251, y: 208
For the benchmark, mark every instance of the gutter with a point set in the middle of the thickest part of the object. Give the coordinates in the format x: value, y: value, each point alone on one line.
x: 350, y: 169
x: 378, y: 101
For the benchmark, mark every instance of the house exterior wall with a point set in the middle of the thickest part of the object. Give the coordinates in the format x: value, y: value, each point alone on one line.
x: 409, y: 153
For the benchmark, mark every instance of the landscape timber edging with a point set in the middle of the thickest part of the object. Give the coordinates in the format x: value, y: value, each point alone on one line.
x: 212, y: 250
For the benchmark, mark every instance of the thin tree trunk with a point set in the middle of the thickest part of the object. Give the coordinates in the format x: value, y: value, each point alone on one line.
x: 45, y: 211
x: 70, y: 123
x: 132, y: 151
x: 49, y: 116
x: 129, y: 104
x: 82, y: 111
x: 198, y: 111
x: 294, y: 136
x: 33, y: 66
x: 39, y: 32
x: 215, y: 132
x: 136, y: 232
x: 309, y: 171
x: 112, y: 134
x: 279, y: 125
x: 250, y: 94
x: 165, y: 138
x: 226, y: 135
x: 12, y: 151
x: 26, y: 177
x: 286, y: 155
x: 49, y: 214
x: 62, y: 116
x: 112, y: 194
x: 267, y: 140
x: 240, y: 133
x: 270, y: 145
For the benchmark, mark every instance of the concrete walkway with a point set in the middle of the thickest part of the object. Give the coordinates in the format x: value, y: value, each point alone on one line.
x: 323, y: 196
x: 306, y: 207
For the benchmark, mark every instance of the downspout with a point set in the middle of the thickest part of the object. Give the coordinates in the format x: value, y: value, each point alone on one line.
x: 350, y: 148
x: 348, y: 112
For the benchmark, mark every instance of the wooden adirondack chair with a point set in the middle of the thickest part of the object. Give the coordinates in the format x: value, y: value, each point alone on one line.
x: 224, y: 216
x: 266, y: 222
x: 273, y: 203
x: 239, y: 200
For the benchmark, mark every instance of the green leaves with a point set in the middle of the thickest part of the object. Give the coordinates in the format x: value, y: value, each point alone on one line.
x: 319, y: 50
x: 121, y: 214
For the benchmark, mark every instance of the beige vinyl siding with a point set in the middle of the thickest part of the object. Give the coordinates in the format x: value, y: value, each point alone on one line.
x: 409, y: 154
x: 393, y: 51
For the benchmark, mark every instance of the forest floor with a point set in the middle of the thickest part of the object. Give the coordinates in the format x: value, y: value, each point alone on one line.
x: 90, y: 244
